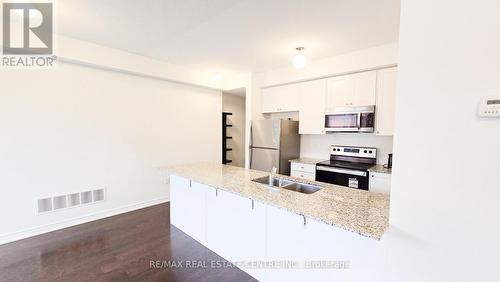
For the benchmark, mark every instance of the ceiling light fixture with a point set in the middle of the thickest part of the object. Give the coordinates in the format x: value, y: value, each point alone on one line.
x: 299, y: 61
x: 217, y: 77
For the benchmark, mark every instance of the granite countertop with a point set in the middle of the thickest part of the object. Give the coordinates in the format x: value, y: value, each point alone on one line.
x: 359, y: 211
x: 380, y: 169
x: 306, y: 161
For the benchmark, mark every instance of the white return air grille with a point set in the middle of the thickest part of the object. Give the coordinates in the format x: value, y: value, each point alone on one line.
x: 70, y: 200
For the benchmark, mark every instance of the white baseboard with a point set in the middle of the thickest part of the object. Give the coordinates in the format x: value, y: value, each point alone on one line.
x: 18, y: 235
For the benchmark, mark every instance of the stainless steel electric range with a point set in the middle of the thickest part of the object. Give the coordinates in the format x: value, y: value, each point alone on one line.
x: 348, y: 166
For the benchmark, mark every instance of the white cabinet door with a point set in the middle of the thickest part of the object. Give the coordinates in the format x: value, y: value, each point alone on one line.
x: 357, y: 89
x: 303, y: 175
x: 357, y: 258
x: 289, y: 97
x: 196, y: 211
x: 312, y: 107
x: 365, y: 87
x: 380, y: 182
x: 236, y: 229
x: 188, y: 207
x: 178, y: 201
x: 215, y: 222
x: 270, y: 98
x: 281, y: 98
x: 386, y: 101
x: 309, y: 168
x: 286, y: 241
x: 340, y: 91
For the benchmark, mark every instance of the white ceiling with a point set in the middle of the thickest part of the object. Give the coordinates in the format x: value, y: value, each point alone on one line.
x: 239, y: 35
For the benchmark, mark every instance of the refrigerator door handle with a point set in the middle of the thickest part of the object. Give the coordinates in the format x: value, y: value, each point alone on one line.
x: 251, y: 136
x: 250, y: 147
x: 251, y: 153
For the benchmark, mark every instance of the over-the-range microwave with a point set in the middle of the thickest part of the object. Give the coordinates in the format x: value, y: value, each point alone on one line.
x: 351, y: 119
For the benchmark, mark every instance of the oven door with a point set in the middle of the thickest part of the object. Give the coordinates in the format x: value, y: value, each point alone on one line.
x: 341, y: 176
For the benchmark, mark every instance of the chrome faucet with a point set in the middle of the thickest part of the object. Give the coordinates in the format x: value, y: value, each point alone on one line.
x: 272, y: 175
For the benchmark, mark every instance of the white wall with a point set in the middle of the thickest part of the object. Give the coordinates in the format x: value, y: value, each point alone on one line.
x: 236, y: 105
x: 73, y: 50
x: 446, y: 190
x: 76, y: 128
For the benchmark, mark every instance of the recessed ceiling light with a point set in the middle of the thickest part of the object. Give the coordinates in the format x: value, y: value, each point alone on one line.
x: 299, y: 61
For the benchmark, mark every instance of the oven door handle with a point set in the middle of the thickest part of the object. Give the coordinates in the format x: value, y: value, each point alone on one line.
x: 342, y: 170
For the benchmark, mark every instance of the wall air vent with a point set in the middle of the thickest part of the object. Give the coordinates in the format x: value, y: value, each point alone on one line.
x: 74, y: 199
x: 59, y: 202
x: 98, y: 195
x: 44, y: 205
x: 70, y: 200
x: 86, y: 197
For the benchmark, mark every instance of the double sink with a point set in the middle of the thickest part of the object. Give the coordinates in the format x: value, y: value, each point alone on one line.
x: 287, y: 184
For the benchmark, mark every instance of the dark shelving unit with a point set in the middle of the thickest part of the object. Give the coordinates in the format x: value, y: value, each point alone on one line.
x: 225, y: 149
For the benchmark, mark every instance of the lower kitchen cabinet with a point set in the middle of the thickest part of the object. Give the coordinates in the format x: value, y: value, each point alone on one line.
x: 286, y: 243
x: 245, y: 231
x: 178, y: 201
x: 236, y: 229
x: 304, y: 171
x: 380, y: 182
x: 357, y: 258
x: 188, y: 205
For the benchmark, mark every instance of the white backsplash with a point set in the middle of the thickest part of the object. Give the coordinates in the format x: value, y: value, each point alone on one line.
x: 318, y: 146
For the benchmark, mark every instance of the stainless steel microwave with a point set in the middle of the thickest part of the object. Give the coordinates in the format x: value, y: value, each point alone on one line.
x: 351, y: 119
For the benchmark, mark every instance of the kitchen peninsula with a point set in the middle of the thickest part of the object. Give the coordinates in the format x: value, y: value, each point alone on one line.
x: 249, y: 222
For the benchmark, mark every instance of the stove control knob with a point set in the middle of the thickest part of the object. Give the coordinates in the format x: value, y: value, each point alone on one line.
x: 366, y: 151
x: 370, y: 151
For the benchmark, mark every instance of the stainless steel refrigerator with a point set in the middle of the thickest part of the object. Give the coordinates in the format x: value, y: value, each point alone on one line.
x: 274, y: 143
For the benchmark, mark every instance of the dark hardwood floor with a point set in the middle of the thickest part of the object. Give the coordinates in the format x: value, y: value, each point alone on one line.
x: 118, y: 248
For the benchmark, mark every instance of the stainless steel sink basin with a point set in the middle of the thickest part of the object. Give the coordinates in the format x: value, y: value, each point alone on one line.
x: 287, y: 184
x: 302, y: 188
x: 274, y: 183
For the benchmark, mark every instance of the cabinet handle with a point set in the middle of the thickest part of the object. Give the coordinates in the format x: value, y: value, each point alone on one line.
x: 304, y: 221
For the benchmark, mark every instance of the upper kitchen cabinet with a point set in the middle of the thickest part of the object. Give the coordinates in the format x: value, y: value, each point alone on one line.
x: 312, y: 107
x: 386, y: 96
x: 281, y: 98
x: 357, y: 89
